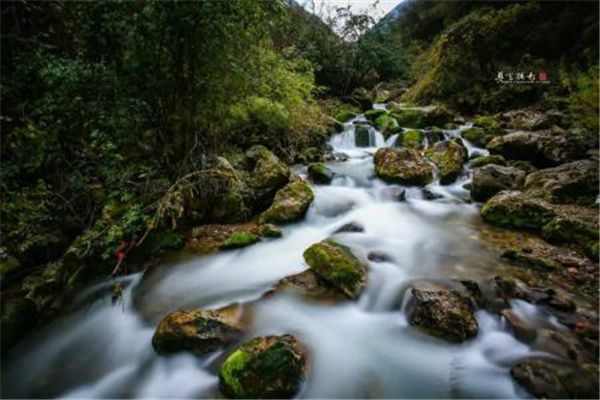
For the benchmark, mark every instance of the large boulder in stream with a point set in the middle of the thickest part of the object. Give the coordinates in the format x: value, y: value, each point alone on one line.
x: 575, y: 182
x: 441, y: 312
x: 290, y: 203
x: 449, y: 156
x: 336, y: 264
x: 513, y: 209
x: 266, y: 367
x: 491, y: 179
x: 555, y: 379
x: 267, y: 173
x: 198, y: 331
x: 404, y: 166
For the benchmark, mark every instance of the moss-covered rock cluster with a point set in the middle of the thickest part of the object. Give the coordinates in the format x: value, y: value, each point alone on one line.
x: 449, y: 157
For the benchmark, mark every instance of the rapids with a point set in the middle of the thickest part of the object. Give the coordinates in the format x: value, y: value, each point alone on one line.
x: 360, y: 349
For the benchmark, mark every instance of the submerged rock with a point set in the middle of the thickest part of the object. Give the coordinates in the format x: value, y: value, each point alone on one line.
x: 291, y: 203
x: 310, y: 285
x: 198, y: 331
x: 529, y: 261
x: 449, y: 157
x: 491, y: 179
x: 402, y: 166
x: 320, y: 173
x: 548, y: 378
x: 513, y: 209
x: 575, y: 182
x: 336, y: 264
x: 362, y: 136
x: 441, y: 312
x: 263, y: 368
x: 354, y: 227
x: 521, y: 329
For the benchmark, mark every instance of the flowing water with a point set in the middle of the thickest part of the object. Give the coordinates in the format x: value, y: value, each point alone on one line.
x: 357, y: 349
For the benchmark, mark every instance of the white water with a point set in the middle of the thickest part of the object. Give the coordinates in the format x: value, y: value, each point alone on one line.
x: 358, y: 349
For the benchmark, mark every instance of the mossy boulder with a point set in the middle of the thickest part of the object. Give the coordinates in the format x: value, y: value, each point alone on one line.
x: 290, y: 204
x: 478, y: 136
x: 240, y: 239
x: 569, y: 230
x: 526, y: 119
x: 384, y: 124
x: 270, y: 231
x: 345, y: 115
x: 336, y: 264
x: 198, y: 331
x: 422, y: 117
x: 574, y: 182
x: 513, y: 209
x: 267, y: 173
x: 491, y: 179
x: 443, y: 313
x: 373, y: 114
x: 556, y: 379
x: 320, y: 173
x: 485, y: 160
x: 434, y: 135
x: 209, y: 238
x: 489, y: 123
x: 404, y: 166
x: 449, y: 157
x: 411, y: 139
x: 265, y: 367
x: 362, y: 136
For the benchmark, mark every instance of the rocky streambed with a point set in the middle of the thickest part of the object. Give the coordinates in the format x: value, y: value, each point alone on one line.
x: 425, y: 257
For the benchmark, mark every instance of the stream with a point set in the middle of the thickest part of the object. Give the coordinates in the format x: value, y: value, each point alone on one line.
x: 361, y: 349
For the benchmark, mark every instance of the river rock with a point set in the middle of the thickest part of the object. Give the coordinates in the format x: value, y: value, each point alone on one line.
x: 478, y: 136
x: 290, y: 204
x: 491, y: 179
x: 411, y: 139
x: 209, y: 238
x: 263, y: 368
x: 449, y: 157
x: 441, y: 312
x: 320, y: 173
x: 350, y: 227
x: 336, y: 264
x: 422, y: 117
x: 310, y: 285
x: 563, y: 229
x: 485, y: 160
x: 548, y: 378
x: 198, y: 331
x: 513, y: 209
x: 574, y: 182
x: 404, y: 166
x: 541, y: 149
x: 268, y: 173
x: 520, y: 328
x: 526, y: 119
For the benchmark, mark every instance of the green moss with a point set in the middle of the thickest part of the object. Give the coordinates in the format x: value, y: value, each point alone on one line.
x: 566, y: 230
x: 412, y: 139
x: 592, y: 251
x: 290, y: 203
x: 485, y: 160
x: 410, y: 118
x: 240, y: 239
x: 336, y: 264
x: 477, y: 136
x: 373, y: 115
x: 345, y: 115
x: 319, y: 173
x: 488, y: 122
x: 516, y: 211
x: 448, y: 156
x: 270, y: 230
x: 230, y: 370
